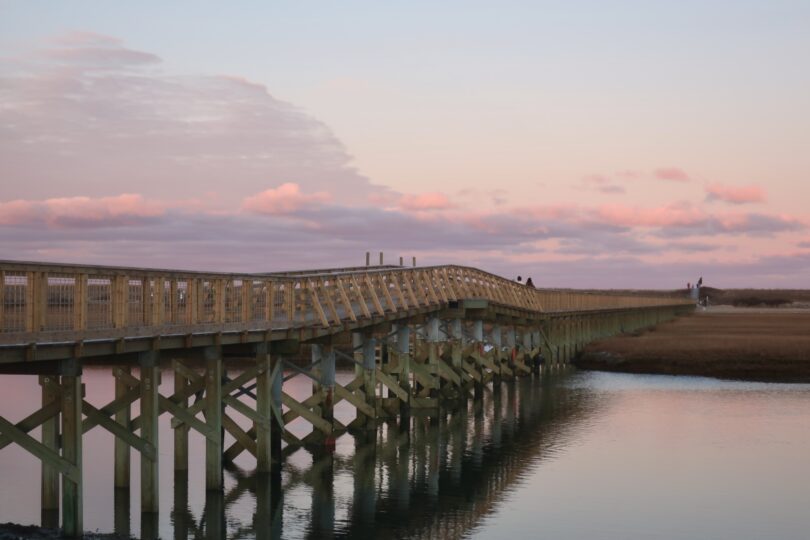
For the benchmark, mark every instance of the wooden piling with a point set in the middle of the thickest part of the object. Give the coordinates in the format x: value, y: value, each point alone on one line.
x: 72, y: 504
x: 181, y: 430
x: 213, y: 417
x: 50, y: 439
x: 264, y: 384
x: 150, y: 380
x: 122, y: 451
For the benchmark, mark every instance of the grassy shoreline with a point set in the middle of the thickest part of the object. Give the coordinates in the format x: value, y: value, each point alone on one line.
x: 771, y: 345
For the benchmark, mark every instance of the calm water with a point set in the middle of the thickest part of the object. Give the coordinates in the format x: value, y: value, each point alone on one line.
x: 581, y: 456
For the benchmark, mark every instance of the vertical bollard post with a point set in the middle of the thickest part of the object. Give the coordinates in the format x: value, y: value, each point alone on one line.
x: 150, y: 379
x: 50, y: 439
x: 72, y: 505
x: 213, y: 417
x: 264, y: 407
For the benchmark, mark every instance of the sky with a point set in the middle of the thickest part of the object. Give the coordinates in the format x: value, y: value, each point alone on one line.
x: 593, y: 144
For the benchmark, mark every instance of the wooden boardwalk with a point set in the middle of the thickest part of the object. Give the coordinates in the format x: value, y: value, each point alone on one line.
x: 420, y: 339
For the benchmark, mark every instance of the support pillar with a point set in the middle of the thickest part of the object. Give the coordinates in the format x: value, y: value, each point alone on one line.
x: 50, y: 439
x: 478, y: 338
x: 72, y: 506
x: 276, y: 428
x: 150, y: 379
x: 264, y: 437
x: 404, y: 351
x: 496, y: 336
x: 213, y: 417
x: 180, y: 431
x: 369, y: 379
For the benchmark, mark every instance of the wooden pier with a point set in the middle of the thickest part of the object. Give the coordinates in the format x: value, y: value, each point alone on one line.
x: 421, y: 339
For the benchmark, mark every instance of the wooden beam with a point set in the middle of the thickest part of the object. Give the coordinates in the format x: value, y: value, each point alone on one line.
x: 72, y: 505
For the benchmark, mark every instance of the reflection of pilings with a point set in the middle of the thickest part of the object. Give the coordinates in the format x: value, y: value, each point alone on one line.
x: 323, y: 496
x: 182, y: 520
x: 364, y: 501
x: 121, y: 512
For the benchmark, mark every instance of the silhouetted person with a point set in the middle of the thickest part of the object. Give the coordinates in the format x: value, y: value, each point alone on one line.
x: 530, y: 283
x: 519, y: 279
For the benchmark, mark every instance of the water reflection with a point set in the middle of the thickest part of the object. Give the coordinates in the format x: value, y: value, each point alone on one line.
x: 418, y: 477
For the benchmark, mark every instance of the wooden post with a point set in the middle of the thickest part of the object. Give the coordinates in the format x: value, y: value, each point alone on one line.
x: 456, y: 345
x: 264, y: 384
x: 433, y: 355
x: 276, y: 428
x: 150, y: 379
x: 213, y: 415
x: 181, y: 430
x: 72, y: 511
x: 496, y: 336
x: 50, y: 439
x: 328, y: 383
x: 370, y: 379
x: 404, y: 360
x: 478, y: 338
x: 122, y: 451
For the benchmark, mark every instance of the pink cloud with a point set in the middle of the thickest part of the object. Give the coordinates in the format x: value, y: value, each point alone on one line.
x: 284, y: 200
x: 672, y: 215
x: 125, y: 209
x: 425, y: 201
x: 735, y: 195
x: 673, y: 174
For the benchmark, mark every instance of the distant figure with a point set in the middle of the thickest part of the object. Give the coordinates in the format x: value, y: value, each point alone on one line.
x: 530, y: 283
x: 700, y: 281
x: 689, y: 286
x: 519, y: 279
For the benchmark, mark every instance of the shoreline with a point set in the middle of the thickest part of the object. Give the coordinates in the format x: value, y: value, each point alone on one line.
x: 723, y: 342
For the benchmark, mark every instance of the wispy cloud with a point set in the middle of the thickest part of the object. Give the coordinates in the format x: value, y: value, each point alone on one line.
x: 735, y: 194
x: 672, y: 174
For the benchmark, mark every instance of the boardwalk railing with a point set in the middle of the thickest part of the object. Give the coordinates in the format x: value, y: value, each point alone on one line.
x: 54, y: 298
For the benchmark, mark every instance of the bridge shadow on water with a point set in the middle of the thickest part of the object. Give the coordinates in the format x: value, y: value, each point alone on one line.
x: 426, y: 477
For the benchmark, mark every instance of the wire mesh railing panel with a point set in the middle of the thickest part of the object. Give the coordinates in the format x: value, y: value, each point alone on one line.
x: 59, y: 302
x: 99, y: 302
x: 14, y: 295
x: 135, y: 302
x: 181, y: 301
x: 208, y: 301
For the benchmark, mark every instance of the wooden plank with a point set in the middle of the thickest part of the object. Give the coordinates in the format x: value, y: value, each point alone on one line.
x: 182, y: 414
x: 360, y: 298
x: 316, y: 305
x: 32, y: 421
x: 213, y: 418
x: 2, y: 299
x: 447, y: 373
x: 307, y: 414
x: 393, y: 277
x: 428, y: 285
x: 393, y: 385
x: 359, y: 402
x: 374, y: 298
x: 242, y: 408
x: 119, y: 431
x: 344, y: 299
x: 310, y: 402
x: 244, y: 439
x: 409, y: 289
x: 386, y: 293
x: 330, y: 304
x: 39, y: 450
x: 440, y: 285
